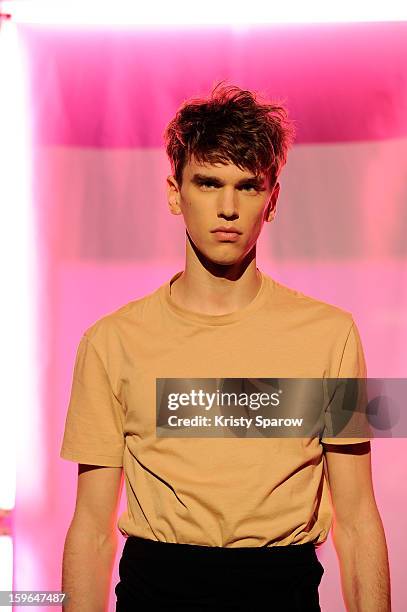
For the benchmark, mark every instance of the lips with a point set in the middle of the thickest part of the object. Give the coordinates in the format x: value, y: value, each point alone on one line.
x: 231, y: 229
x: 229, y: 236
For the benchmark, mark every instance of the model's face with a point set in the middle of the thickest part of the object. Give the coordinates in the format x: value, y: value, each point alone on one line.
x: 222, y: 195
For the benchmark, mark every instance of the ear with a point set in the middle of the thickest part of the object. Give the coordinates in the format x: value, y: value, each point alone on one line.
x: 174, y: 195
x: 272, y: 203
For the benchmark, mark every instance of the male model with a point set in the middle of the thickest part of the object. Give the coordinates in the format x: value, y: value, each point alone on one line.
x: 217, y: 522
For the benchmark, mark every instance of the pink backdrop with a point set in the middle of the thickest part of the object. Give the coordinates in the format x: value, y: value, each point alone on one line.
x: 100, y: 100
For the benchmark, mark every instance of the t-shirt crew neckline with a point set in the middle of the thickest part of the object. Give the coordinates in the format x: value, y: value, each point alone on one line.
x: 209, y: 319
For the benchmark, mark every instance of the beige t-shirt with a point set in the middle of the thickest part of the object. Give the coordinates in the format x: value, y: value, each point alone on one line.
x: 232, y: 491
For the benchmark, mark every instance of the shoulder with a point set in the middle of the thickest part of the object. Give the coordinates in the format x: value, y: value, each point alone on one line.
x: 307, y: 309
x: 112, y: 326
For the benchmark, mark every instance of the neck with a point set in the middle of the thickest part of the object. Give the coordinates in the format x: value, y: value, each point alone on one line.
x: 200, y: 290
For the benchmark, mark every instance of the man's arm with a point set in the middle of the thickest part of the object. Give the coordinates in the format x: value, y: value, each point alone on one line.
x: 91, y: 542
x: 357, y: 530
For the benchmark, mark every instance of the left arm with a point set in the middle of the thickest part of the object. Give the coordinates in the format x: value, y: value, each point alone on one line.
x: 357, y: 529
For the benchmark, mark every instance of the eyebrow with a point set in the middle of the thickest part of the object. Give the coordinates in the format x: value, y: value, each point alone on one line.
x: 200, y: 178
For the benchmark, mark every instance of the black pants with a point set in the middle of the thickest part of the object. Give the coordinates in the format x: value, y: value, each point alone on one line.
x: 170, y: 576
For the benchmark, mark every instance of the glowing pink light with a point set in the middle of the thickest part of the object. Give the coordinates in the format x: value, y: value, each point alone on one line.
x: 186, y: 12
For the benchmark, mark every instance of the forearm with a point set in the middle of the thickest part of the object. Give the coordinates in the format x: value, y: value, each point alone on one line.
x: 86, y: 569
x: 364, y: 566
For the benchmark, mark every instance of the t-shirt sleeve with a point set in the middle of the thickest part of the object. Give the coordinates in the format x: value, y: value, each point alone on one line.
x: 346, y: 419
x: 95, y: 418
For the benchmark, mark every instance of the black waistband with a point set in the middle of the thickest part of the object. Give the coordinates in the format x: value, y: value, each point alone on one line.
x: 135, y: 545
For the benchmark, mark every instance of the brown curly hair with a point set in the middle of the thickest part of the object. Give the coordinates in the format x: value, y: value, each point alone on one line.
x: 230, y: 126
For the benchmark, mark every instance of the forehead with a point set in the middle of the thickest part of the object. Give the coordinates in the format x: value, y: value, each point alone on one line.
x: 227, y: 171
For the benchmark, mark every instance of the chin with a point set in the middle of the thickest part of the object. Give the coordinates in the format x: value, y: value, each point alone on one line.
x: 226, y: 256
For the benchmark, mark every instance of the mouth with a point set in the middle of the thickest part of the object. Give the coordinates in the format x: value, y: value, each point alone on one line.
x: 229, y: 236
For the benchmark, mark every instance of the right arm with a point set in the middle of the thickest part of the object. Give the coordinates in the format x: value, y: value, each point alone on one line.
x: 91, y: 540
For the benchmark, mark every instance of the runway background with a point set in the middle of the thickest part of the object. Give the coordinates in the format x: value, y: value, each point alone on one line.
x: 100, y: 100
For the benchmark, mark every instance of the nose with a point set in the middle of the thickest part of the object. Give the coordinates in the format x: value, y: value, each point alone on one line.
x: 227, y: 204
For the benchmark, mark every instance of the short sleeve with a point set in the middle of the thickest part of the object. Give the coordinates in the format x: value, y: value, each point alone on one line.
x: 346, y: 419
x: 95, y: 419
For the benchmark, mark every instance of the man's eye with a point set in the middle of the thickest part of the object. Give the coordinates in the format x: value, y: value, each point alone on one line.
x: 250, y: 188
x: 207, y: 184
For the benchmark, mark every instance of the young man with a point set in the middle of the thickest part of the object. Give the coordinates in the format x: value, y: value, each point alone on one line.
x: 224, y: 522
